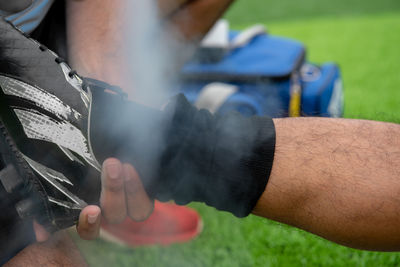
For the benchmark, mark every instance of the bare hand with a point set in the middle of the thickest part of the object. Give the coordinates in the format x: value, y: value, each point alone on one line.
x: 122, y: 195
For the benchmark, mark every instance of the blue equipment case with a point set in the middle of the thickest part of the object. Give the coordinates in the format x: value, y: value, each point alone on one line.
x: 267, y: 75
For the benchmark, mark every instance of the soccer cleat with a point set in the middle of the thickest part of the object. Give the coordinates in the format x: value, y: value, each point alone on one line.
x: 44, y: 144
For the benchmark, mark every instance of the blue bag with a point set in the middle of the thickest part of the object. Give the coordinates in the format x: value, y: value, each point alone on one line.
x: 260, y: 74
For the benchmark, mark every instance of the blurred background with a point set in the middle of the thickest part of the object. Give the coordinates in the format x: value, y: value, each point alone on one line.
x: 363, y: 37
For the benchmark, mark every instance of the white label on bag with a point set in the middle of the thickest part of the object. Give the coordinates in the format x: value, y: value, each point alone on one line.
x: 335, y: 107
x: 214, y: 95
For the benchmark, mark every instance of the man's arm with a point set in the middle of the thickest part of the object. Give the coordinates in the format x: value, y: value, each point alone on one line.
x: 337, y: 178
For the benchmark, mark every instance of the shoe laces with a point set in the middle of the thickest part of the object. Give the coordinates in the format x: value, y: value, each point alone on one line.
x: 89, y: 81
x: 59, y: 60
x: 43, y: 48
x: 73, y: 73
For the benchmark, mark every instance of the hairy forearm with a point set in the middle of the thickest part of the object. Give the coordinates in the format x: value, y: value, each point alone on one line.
x: 58, y: 251
x: 338, y: 179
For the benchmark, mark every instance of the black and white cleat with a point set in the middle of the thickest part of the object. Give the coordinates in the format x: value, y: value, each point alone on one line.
x: 47, y: 163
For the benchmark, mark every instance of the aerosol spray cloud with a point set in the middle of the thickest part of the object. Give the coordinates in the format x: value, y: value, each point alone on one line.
x: 150, y: 53
x: 150, y: 62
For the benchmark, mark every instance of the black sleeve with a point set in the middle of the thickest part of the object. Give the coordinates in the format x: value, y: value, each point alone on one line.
x: 186, y: 154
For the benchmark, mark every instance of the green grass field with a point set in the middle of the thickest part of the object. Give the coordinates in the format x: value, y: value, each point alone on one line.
x: 363, y: 37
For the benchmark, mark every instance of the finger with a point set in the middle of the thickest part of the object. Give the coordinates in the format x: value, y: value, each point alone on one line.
x: 112, y: 199
x: 139, y: 205
x: 89, y: 223
x: 40, y: 232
